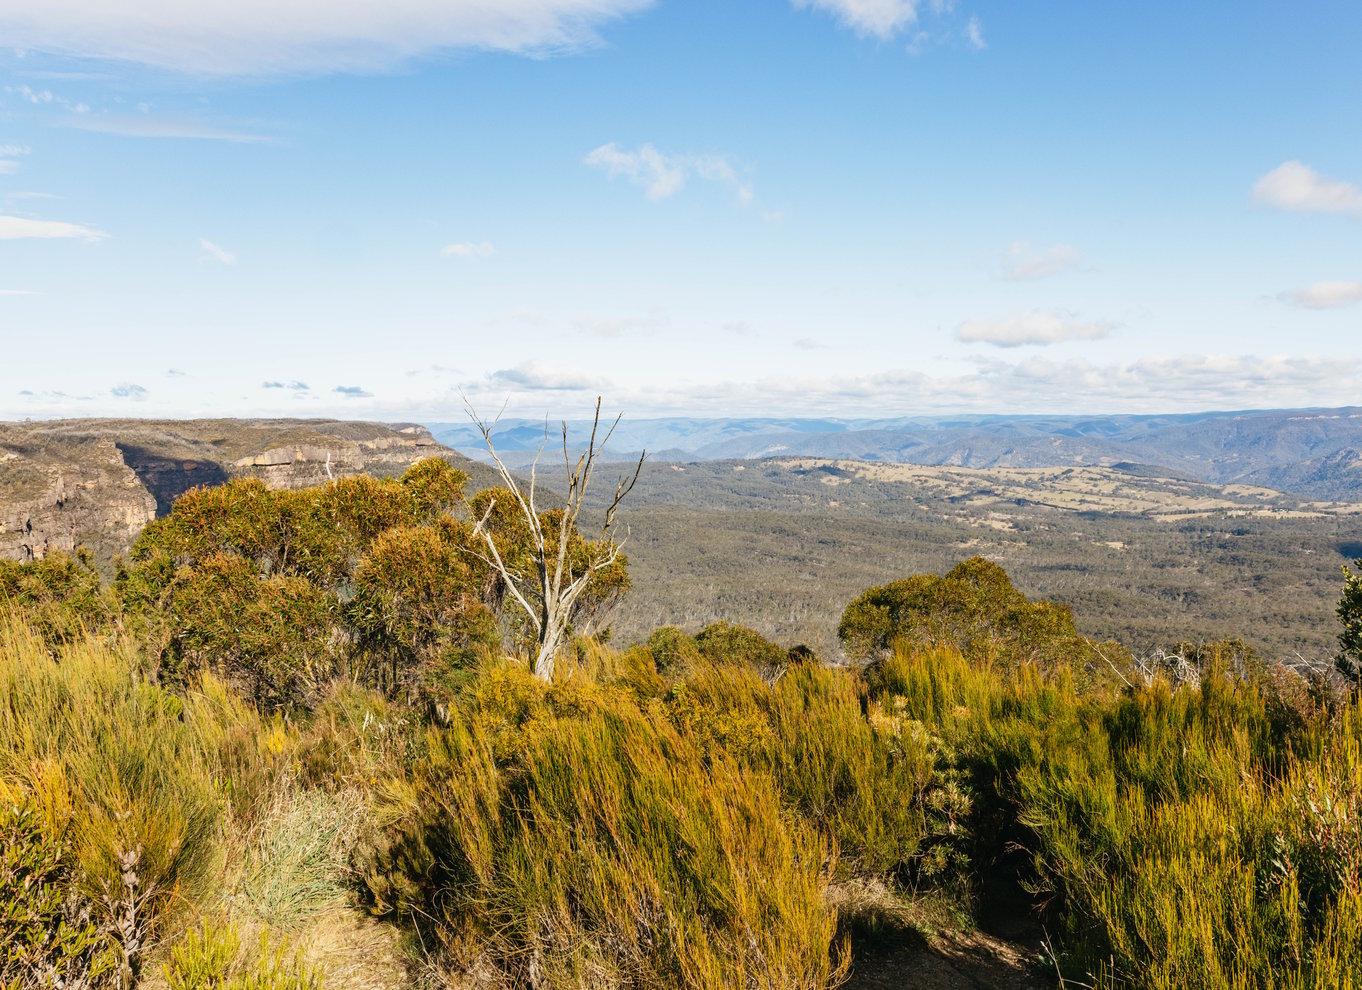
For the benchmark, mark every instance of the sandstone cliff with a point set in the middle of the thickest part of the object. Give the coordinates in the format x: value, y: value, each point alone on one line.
x: 97, y: 482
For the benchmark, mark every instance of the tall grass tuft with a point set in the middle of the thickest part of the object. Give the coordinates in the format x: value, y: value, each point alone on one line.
x: 570, y: 837
x: 114, y: 766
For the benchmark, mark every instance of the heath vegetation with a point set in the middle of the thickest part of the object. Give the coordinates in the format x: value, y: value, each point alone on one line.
x: 294, y: 713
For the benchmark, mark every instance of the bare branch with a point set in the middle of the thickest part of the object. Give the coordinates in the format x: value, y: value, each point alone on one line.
x: 500, y: 565
x: 560, y: 586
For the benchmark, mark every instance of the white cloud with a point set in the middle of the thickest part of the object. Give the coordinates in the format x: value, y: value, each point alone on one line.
x: 8, y: 154
x: 351, y: 391
x: 127, y: 390
x: 1024, y: 262
x: 1185, y: 383
x: 974, y: 34
x: 246, y: 37
x: 1297, y: 187
x: 14, y: 228
x: 1031, y: 327
x: 880, y: 18
x: 469, y: 249
x: 15, y: 292
x: 159, y: 126
x: 211, y: 251
x: 1325, y: 295
x: 537, y: 377
x: 663, y: 175
x: 45, y: 96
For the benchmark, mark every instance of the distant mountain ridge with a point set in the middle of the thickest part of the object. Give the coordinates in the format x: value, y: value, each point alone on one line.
x: 1315, y: 453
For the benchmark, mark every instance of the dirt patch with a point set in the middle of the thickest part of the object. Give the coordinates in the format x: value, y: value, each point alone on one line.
x: 965, y: 961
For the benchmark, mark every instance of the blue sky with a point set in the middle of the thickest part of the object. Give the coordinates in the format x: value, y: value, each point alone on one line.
x: 831, y: 207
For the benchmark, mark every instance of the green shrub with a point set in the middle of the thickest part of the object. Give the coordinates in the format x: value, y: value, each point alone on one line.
x: 281, y: 591
x: 573, y: 838
x: 47, y: 936
x: 881, y: 784
x: 974, y: 607
x: 60, y: 596
x: 116, y: 767
x: 674, y: 652
x: 1349, y: 661
x: 725, y: 643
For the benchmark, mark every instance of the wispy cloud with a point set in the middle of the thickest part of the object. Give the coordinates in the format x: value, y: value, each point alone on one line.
x: 1297, y: 187
x: 352, y: 392
x: 297, y: 386
x: 974, y: 34
x: 624, y: 326
x: 211, y: 252
x: 159, y: 126
x: 15, y: 292
x: 9, y: 153
x: 1035, y: 326
x: 662, y: 175
x: 127, y: 390
x: 469, y: 249
x: 250, y: 37
x: 1325, y: 295
x: 809, y: 344
x: 1025, y: 262
x: 16, y: 228
x: 45, y: 97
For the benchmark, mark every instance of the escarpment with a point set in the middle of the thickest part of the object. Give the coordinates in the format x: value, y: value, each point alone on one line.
x: 97, y: 482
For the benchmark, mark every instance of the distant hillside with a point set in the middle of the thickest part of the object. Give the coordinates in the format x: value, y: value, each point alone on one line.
x: 1311, y: 452
x: 97, y: 482
x: 782, y: 544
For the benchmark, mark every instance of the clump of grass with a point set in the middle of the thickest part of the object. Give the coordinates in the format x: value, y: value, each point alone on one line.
x: 297, y: 862
x: 211, y: 957
x: 1197, y: 835
x: 567, y: 836
x: 115, y: 767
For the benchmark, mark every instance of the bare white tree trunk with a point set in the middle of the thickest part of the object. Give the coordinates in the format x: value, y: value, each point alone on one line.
x: 549, y: 596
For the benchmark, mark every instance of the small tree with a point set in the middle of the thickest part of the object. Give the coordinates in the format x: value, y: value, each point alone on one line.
x: 562, y: 565
x: 1349, y: 661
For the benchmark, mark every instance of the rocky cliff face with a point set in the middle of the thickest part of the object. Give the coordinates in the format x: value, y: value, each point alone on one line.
x: 96, y: 482
x: 63, y: 495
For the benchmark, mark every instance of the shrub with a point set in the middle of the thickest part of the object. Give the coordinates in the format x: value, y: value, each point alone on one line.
x: 283, y: 590
x: 882, y: 785
x: 417, y: 605
x: 47, y: 935
x: 571, y: 838
x: 1349, y: 661
x: 674, y: 652
x: 878, y: 785
x: 60, y: 596
x: 117, y: 769
x: 974, y: 607
x: 722, y: 642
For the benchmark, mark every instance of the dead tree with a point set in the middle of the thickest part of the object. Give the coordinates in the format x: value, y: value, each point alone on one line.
x: 549, y: 596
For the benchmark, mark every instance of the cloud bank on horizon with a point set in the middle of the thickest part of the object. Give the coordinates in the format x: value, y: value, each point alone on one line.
x: 822, y: 206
